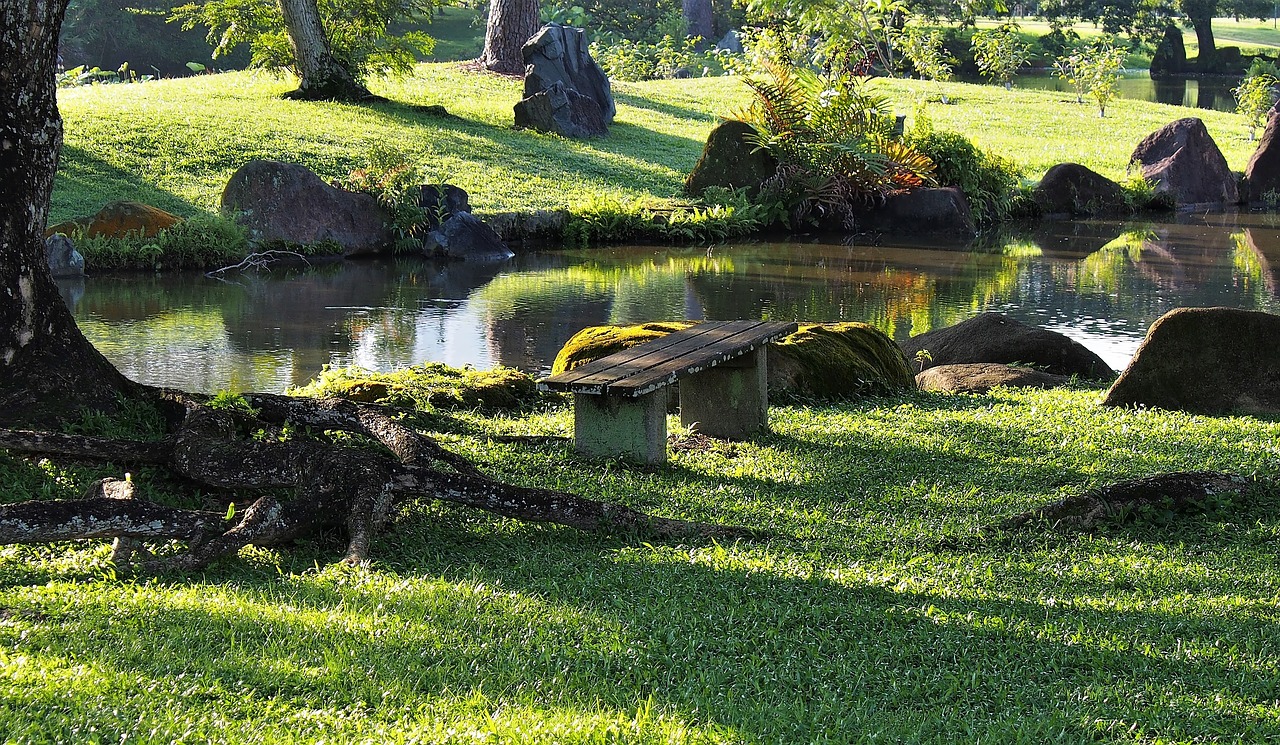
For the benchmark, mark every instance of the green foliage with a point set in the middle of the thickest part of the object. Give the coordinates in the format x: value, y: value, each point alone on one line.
x: 202, y: 242
x: 1140, y: 194
x: 96, y: 76
x: 357, y: 31
x: 431, y: 386
x: 606, y: 219
x: 833, y: 140
x: 1093, y: 71
x: 1255, y: 96
x: 989, y: 181
x: 923, y: 48
x: 231, y: 402
x: 395, y: 179
x: 1000, y: 52
x: 624, y: 59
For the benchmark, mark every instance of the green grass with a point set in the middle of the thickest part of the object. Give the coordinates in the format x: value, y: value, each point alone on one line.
x: 884, y: 607
x: 174, y: 143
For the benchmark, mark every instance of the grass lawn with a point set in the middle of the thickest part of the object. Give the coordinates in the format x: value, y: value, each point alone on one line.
x: 884, y: 607
x: 174, y: 143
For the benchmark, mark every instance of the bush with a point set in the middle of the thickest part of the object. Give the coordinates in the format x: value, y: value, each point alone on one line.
x: 722, y: 214
x: 202, y: 242
x: 990, y: 182
x: 623, y: 59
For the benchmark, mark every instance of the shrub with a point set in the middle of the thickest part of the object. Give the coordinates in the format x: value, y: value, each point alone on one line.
x: 202, y: 242
x: 722, y: 214
x: 990, y: 182
x: 1000, y: 52
x: 394, y: 179
x: 1254, y: 97
x: 623, y: 59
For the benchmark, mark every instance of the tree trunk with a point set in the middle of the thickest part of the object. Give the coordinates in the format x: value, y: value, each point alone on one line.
x: 47, y: 368
x: 511, y: 24
x: 321, y: 77
x: 1208, y: 53
x: 698, y: 21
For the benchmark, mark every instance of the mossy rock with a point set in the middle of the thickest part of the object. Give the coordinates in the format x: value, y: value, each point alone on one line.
x: 595, y: 342
x: 838, y: 360
x: 834, y: 360
x: 431, y: 386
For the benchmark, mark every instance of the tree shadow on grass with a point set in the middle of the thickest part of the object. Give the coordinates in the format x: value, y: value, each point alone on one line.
x: 543, y: 622
x: 83, y: 177
x: 680, y: 112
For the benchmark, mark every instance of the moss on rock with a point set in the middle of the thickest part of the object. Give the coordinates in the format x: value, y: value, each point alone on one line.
x: 595, y: 342
x: 430, y: 386
x: 833, y: 360
x: 838, y: 360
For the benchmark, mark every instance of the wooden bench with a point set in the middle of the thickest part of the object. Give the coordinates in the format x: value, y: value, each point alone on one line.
x: 620, y: 407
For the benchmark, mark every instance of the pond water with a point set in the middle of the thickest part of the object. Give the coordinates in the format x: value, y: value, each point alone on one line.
x: 1204, y: 93
x: 1100, y: 282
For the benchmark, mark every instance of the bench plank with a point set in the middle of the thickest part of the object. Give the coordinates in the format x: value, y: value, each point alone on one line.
x: 652, y: 365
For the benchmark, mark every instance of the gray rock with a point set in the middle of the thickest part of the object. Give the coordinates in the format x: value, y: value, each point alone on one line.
x: 1206, y: 361
x: 287, y: 203
x: 1073, y: 189
x: 731, y: 42
x: 1263, y: 171
x: 933, y: 212
x: 992, y: 337
x: 1185, y: 162
x: 558, y: 54
x: 464, y: 236
x: 729, y: 159
x: 442, y: 201
x: 563, y: 111
x: 64, y: 259
x: 980, y: 377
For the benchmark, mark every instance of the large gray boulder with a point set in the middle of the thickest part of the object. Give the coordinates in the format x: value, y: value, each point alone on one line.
x: 1206, y: 361
x: 992, y: 337
x: 731, y: 160
x: 439, y: 202
x: 464, y: 236
x: 64, y: 260
x: 1263, y: 171
x: 1185, y: 162
x: 287, y: 203
x: 557, y: 56
x: 1073, y: 189
x: 563, y: 111
x: 938, y: 212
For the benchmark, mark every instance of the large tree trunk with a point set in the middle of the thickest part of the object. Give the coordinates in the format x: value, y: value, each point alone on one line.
x: 321, y: 77
x: 511, y: 24
x: 47, y: 368
x: 698, y: 21
x: 1201, y: 17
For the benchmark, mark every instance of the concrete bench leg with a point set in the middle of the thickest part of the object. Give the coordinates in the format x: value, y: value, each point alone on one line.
x: 730, y: 400
x: 634, y: 428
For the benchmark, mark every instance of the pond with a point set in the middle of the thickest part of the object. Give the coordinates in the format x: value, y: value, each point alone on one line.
x: 1100, y: 282
x: 1204, y: 93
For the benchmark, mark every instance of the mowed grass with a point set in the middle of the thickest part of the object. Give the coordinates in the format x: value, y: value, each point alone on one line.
x: 175, y: 143
x: 884, y: 605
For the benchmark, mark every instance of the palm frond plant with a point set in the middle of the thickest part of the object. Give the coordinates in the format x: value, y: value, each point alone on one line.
x: 833, y: 137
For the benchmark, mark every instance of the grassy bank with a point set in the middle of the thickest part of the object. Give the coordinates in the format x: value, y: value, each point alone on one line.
x: 884, y: 607
x: 174, y: 143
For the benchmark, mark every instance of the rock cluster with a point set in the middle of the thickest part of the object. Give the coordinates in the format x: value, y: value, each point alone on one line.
x: 565, y: 91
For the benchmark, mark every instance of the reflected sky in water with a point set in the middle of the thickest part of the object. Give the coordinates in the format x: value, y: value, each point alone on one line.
x: 1100, y: 282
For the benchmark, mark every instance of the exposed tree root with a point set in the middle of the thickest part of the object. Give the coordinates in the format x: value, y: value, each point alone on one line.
x: 1181, y: 492
x: 329, y: 485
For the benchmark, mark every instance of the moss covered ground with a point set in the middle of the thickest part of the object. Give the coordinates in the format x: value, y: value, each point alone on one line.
x: 883, y: 605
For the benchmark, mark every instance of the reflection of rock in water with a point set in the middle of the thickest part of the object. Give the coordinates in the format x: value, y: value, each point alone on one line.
x: 72, y: 290
x: 1265, y: 250
x: 1075, y: 239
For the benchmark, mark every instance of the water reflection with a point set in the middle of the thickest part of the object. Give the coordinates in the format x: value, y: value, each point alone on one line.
x: 1100, y: 282
x: 1203, y: 93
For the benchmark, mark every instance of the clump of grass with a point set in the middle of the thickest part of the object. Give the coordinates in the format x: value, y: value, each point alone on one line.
x: 201, y: 242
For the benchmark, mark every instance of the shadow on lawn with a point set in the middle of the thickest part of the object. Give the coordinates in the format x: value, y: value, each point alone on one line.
x: 542, y: 623
x: 681, y: 112
x: 82, y: 177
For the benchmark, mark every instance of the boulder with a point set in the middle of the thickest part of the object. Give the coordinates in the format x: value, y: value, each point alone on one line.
x: 835, y: 360
x: 1263, y: 171
x: 838, y: 360
x: 730, y: 42
x: 464, y: 236
x: 730, y: 160
x: 442, y: 201
x: 1206, y: 361
x: 939, y: 212
x: 285, y: 202
x: 561, y: 110
x: 1186, y: 164
x: 992, y: 337
x: 1073, y: 189
x: 1170, y: 56
x: 558, y: 55
x: 64, y: 260
x: 117, y: 220
x: 980, y: 377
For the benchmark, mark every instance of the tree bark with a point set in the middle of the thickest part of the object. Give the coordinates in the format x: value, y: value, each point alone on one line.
x: 698, y: 21
x: 321, y: 77
x: 511, y: 24
x: 47, y: 368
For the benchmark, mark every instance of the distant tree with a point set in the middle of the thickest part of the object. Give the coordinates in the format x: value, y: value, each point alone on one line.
x: 511, y: 24
x: 698, y: 20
